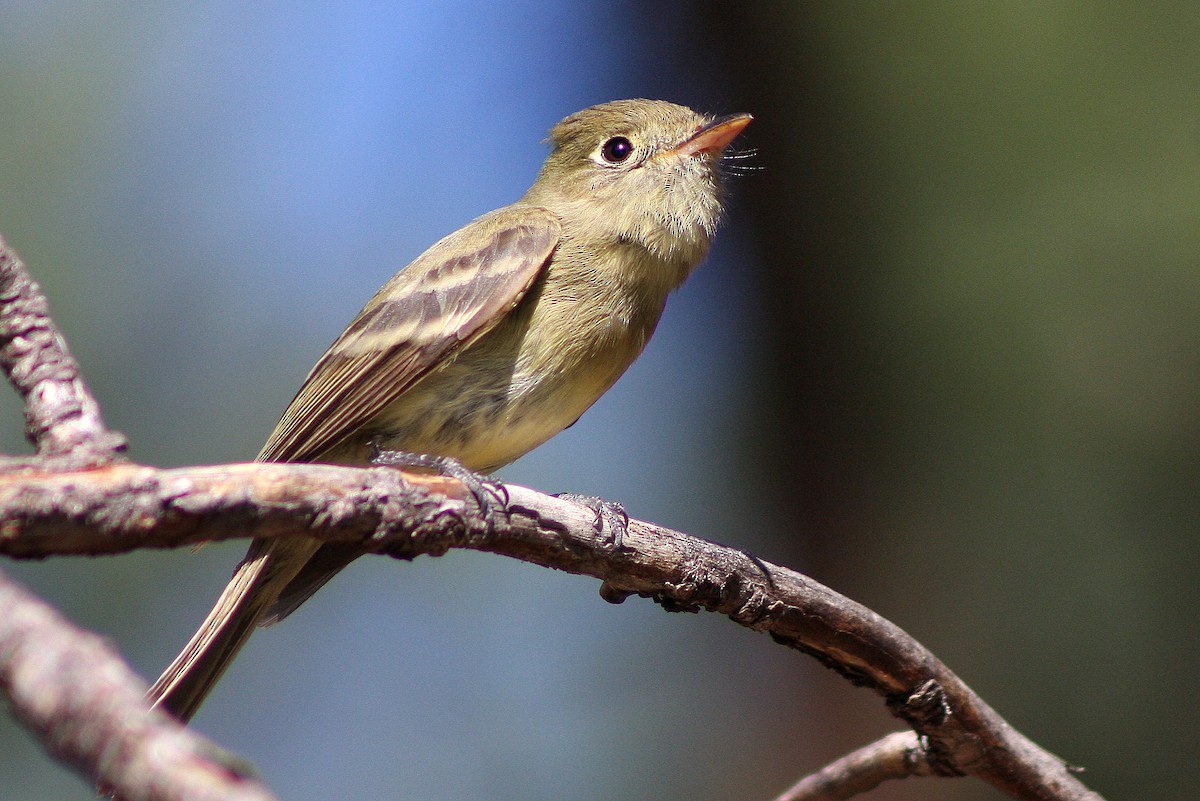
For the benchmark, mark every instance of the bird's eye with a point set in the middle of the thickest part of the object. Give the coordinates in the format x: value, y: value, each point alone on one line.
x: 616, y: 150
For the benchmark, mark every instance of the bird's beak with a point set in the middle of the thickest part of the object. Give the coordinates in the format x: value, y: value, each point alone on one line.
x: 715, y: 136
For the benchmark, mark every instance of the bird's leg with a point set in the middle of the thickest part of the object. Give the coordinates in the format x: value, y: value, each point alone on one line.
x: 491, y: 500
x: 609, y: 512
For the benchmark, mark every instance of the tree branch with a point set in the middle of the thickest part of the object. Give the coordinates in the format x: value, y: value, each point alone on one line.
x: 125, y: 506
x: 86, y: 706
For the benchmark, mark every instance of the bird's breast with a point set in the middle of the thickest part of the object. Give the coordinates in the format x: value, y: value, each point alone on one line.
x: 530, y: 377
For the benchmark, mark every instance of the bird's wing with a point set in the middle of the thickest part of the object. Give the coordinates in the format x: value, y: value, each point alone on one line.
x: 453, y: 293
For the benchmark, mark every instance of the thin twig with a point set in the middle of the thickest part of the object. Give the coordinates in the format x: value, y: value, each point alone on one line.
x: 895, y: 756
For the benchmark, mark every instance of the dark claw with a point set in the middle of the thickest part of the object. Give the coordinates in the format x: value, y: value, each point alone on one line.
x: 491, y: 500
x: 609, y: 512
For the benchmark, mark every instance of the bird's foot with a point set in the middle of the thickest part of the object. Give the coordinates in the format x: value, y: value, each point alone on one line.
x: 607, y: 512
x: 491, y: 499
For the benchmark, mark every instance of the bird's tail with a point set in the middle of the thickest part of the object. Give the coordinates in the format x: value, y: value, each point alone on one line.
x: 268, y: 567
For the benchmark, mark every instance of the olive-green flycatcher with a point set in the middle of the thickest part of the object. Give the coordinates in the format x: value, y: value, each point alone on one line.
x: 494, y: 340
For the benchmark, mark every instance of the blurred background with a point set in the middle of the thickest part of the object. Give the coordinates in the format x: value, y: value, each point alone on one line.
x: 943, y: 358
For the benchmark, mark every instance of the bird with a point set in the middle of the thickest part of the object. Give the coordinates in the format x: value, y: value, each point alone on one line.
x: 495, y: 339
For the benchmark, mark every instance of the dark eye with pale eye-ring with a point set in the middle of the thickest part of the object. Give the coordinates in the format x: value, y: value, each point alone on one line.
x: 616, y: 150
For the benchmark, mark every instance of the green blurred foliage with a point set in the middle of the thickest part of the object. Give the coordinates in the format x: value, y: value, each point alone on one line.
x: 986, y: 222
